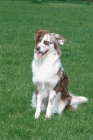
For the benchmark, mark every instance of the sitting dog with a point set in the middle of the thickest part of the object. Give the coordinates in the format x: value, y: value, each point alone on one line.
x: 51, y: 81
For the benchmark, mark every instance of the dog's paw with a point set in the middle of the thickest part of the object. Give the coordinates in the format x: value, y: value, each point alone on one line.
x: 48, y: 115
x: 37, y: 114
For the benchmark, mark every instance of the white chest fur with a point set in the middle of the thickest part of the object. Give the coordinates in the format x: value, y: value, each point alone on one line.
x: 45, y: 70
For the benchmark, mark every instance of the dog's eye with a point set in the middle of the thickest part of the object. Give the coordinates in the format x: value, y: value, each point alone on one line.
x: 46, y: 42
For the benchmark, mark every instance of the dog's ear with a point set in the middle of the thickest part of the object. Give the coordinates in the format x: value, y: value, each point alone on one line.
x: 35, y: 34
x: 39, y: 33
x: 59, y: 38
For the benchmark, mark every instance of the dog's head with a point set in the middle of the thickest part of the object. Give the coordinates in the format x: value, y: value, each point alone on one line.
x: 47, y: 42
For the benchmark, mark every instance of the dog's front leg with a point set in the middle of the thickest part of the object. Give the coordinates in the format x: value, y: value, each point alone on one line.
x: 38, y: 105
x: 52, y: 95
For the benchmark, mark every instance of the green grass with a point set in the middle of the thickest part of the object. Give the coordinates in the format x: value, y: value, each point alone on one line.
x: 18, y: 21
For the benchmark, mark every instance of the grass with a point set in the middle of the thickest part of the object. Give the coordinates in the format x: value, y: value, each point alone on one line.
x: 18, y: 21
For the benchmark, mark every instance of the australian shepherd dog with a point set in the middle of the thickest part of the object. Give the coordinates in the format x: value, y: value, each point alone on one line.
x: 51, y: 93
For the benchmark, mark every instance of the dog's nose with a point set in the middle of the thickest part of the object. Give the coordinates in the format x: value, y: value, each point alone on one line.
x: 38, y: 48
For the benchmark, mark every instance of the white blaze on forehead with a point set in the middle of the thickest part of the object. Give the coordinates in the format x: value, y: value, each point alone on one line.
x: 46, y: 37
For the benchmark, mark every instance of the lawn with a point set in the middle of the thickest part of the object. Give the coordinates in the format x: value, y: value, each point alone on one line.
x: 18, y: 21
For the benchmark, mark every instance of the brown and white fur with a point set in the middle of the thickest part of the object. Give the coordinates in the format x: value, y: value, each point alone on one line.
x: 51, y: 81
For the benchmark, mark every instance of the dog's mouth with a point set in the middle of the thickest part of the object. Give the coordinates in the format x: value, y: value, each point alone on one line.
x: 40, y: 54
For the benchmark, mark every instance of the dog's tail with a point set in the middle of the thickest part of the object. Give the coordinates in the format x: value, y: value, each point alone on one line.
x: 76, y: 100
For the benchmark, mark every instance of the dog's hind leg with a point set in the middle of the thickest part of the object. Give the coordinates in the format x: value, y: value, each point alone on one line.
x: 61, y: 106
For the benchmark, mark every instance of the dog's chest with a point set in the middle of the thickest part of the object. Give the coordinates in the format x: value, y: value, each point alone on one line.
x: 45, y: 73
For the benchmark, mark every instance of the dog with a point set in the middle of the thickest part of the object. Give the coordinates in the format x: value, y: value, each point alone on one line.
x: 51, y: 93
